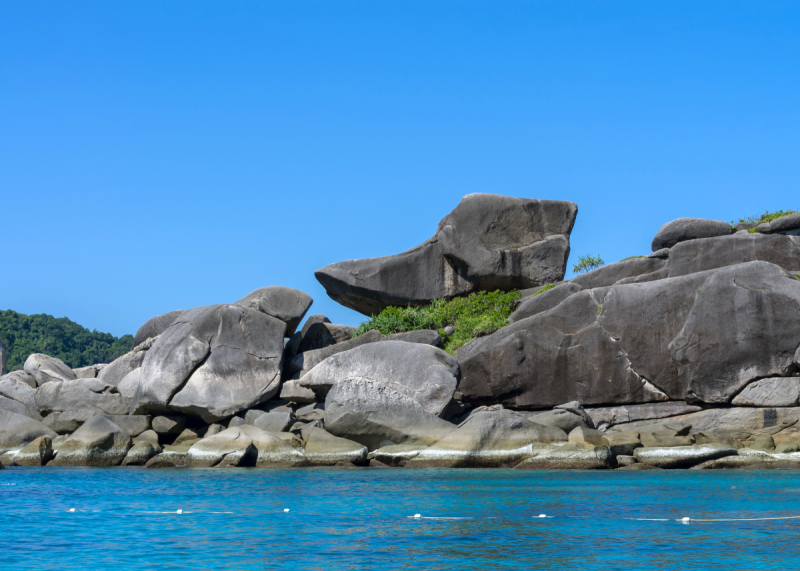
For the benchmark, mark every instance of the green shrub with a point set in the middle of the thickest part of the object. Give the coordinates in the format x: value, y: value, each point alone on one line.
x: 544, y: 289
x: 763, y: 218
x: 631, y: 258
x: 587, y: 263
x: 471, y: 316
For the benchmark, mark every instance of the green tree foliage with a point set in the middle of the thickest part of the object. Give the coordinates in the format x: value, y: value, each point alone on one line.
x: 62, y: 338
x: 587, y: 263
x: 471, y: 316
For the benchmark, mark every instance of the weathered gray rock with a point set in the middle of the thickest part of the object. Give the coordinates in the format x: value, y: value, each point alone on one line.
x: 623, y: 443
x: 188, y: 436
x: 682, y: 456
x: 569, y: 458
x: 272, y: 451
x: 311, y: 412
x: 140, y: 453
x: 684, y: 229
x: 606, y: 417
x: 764, y: 443
x: 114, y: 372
x: 18, y: 396
x: 170, y: 457
x: 169, y: 424
x: 626, y: 460
x: 88, y: 372
x: 562, y: 419
x: 99, y: 442
x: 150, y: 436
x: 396, y: 454
x: 45, y: 369
x: 274, y: 421
x: 231, y: 447
x: 294, y: 392
x: 36, y: 453
x: 775, y: 391
x: 488, y: 438
x: 701, y: 338
x: 533, y: 305
x: 321, y: 334
x: 155, y: 326
x: 711, y: 253
x: 325, y: 449
x: 424, y: 336
x: 423, y: 373
x: 68, y: 404
x: 610, y: 274
x: 587, y: 437
x: 133, y: 424
x: 784, y: 225
x: 369, y: 412
x: 21, y: 376
x: 284, y: 303
x: 488, y: 242
x: 213, y: 362
x: 304, y: 362
x: 560, y: 355
x: 665, y: 434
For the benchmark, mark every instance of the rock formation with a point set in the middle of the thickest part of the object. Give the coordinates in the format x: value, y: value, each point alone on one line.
x: 686, y: 358
x: 488, y: 242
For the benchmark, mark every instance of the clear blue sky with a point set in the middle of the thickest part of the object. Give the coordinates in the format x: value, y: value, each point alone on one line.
x: 164, y: 155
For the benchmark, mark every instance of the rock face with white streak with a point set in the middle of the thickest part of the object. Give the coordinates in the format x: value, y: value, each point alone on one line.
x: 775, y: 391
x: 212, y: 362
x: 370, y: 412
x: 700, y: 338
x: 421, y: 372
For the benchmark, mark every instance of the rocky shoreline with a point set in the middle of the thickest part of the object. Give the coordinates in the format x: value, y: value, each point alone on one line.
x: 685, y: 358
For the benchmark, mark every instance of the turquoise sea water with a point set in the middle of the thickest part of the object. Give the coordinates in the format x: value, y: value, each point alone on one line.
x: 358, y: 519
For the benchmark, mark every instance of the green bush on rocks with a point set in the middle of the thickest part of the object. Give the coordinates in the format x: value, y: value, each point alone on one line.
x: 471, y: 316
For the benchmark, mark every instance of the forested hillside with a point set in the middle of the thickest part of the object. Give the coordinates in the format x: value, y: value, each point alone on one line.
x: 59, y: 337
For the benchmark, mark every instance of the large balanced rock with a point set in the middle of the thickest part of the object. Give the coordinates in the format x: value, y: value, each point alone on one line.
x: 213, y: 362
x: 17, y: 430
x: 99, y: 442
x: 231, y: 447
x: 46, y: 369
x: 284, y: 303
x: 488, y: 242
x: 700, y: 337
x: 370, y: 412
x: 68, y: 404
x: 488, y: 438
x: 684, y: 229
x: 155, y: 326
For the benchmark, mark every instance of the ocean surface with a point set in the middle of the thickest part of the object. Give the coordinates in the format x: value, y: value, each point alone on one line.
x: 125, y: 518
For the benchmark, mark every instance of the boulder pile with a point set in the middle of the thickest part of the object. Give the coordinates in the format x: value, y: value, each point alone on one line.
x: 685, y: 358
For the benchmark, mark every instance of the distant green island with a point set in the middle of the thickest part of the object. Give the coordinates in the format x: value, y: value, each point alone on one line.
x: 59, y: 337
